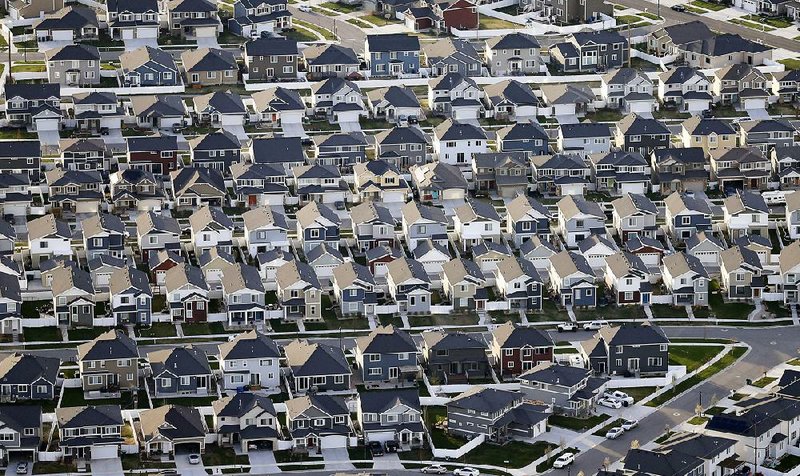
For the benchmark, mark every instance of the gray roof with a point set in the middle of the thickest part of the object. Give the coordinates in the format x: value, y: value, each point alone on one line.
x: 128, y: 278
x: 633, y: 124
x: 459, y: 269
x: 572, y: 205
x: 736, y: 256
x: 182, y: 275
x: 150, y: 221
x: 476, y: 210
x: 443, y: 340
x: 369, y: 212
x: 555, y: 374
x: 276, y: 46
x: 329, y: 54
x: 308, y: 359
x: 256, y: 218
x: 94, y: 415
x: 240, y: 404
x: 681, y: 263
x: 110, y: 345
x: 397, y: 96
x: 392, y: 42
x: 512, y: 41
x: 568, y: 262
x: 249, y: 345
x: 179, y: 361
x: 132, y: 59
x: 210, y: 216
x: 26, y: 369
x: 386, y: 340
x: 102, y: 223
x: 64, y: 279
x: 513, y: 336
x: 239, y: 276
x: 173, y: 422
x: 308, y: 215
x: 293, y: 271
x: 450, y: 130
x: 485, y: 400
x: 413, y: 212
x: 224, y: 102
x: 584, y: 130
x: 438, y: 175
x: 208, y: 59
x: 383, y: 400
x: 217, y: 140
x: 403, y: 269
x: 348, y: 272
x: 48, y: 226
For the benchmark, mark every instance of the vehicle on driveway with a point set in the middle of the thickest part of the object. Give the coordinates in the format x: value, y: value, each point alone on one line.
x: 22, y: 467
x: 564, y: 460
x: 375, y: 448
x: 434, y: 469
x: 679, y: 8
x: 390, y: 446
x: 629, y: 425
x: 304, y: 8
x: 466, y: 472
x: 610, y: 403
x: 615, y: 433
x: 567, y: 327
x: 595, y: 325
x: 194, y: 458
x: 623, y: 397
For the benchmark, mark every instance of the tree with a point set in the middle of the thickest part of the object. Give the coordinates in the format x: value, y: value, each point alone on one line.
x: 698, y: 409
x: 635, y: 444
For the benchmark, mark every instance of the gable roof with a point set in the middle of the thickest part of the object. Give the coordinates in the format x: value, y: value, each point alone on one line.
x: 386, y: 340
x: 310, y: 359
x: 208, y: 59
x: 511, y: 335
x: 392, y: 42
x: 110, y: 345
x: 179, y: 361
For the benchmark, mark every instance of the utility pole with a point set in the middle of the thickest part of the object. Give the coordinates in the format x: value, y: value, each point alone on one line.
x: 8, y: 71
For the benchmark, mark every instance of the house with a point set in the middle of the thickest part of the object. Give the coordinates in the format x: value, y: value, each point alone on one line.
x: 135, y: 189
x: 217, y: 150
x: 259, y: 185
x: 792, y: 214
x: 268, y: 264
x: 621, y: 172
x: 452, y: 55
x: 253, y: 18
x: 511, y: 100
x: 396, y: 104
x: 740, y: 168
x: 464, y: 284
x: 741, y: 273
x: 519, y: 282
x: 210, y: 67
x: 156, y: 154
x: 650, y: 250
x: 785, y: 163
x: 488, y: 254
x: 573, y: 12
x: 148, y: 66
x: 740, y: 83
x: 627, y: 89
x: 433, y: 256
x: 246, y: 419
x: 130, y: 296
x: 422, y: 222
x: 572, y: 280
x: 506, y: 172
x: 95, y: 110
x: 584, y: 138
x: 387, y: 356
x: 299, y: 291
x: 90, y: 432
x: 20, y: 10
x: 161, y: 261
x: 596, y: 248
x: 672, y: 462
x: 766, y: 134
x: 196, y: 187
x: 27, y: 377
x: 634, y: 215
x: 685, y: 88
x: 409, y: 286
x: 329, y: 60
x: 424, y: 18
x: 220, y: 108
x: 452, y: 357
x: 680, y: 169
x: 785, y: 85
x: 378, y: 258
x: 628, y: 350
x: 83, y: 154
x: 668, y: 40
x: 706, y: 247
x: 265, y: 228
x: 131, y: 19
x: 109, y: 362
x: 156, y: 232
x: 316, y: 366
x: 513, y: 54
x: 566, y: 100
x: 342, y: 150
x: 746, y: 213
x: 628, y: 277
x: 380, y: 180
x: 159, y: 112
x: 180, y: 371
x: 213, y: 262
x: 323, y: 260
x: 271, y: 59
x: 103, y: 234
x: 319, y: 421
x: 37, y: 105
x: 708, y: 134
x: 210, y: 227
x: 320, y: 183
x: 579, y: 218
x: 722, y: 50
x: 243, y: 294
x: 168, y: 429
x: 75, y: 191
x: 528, y: 137
x: 497, y: 415
x: 686, y: 215
x: 387, y: 7
x: 353, y: 288
x: 560, y: 174
x: 475, y: 222
x: 316, y: 224
x: 438, y: 182
x: 8, y: 238
x: 590, y: 51
x: 193, y: 19
x: 517, y: 349
x: 760, y: 244
x: 686, y: 279
x: 10, y: 301
x: 279, y: 107
x: 335, y: 97
x: 48, y: 237
x: 565, y: 389
x: 789, y: 261
x: 373, y: 225
x: 711, y: 450
x: 392, y: 55
x: 186, y: 293
x: 16, y: 199
x: 455, y: 96
x: 454, y: 142
x: 635, y: 133
x: 526, y: 217
x: 391, y: 415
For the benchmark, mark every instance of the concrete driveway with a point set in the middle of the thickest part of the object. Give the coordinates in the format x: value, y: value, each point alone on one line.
x: 262, y: 462
x: 134, y: 43
x: 107, y: 467
x: 293, y: 129
x: 388, y: 461
x: 758, y: 113
x: 48, y: 137
x: 209, y: 42
x: 350, y: 126
x: 567, y: 119
x: 11, y: 470
x: 186, y: 469
x: 237, y: 130
x: 337, y: 459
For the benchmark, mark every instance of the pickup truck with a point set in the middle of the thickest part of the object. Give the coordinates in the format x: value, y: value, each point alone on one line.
x: 622, y: 397
x: 567, y: 327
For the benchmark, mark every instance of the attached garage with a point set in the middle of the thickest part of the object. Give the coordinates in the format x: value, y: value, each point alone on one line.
x: 47, y: 124
x: 148, y: 32
x: 333, y: 441
x: 206, y: 32
x: 465, y: 113
x: 128, y: 33
x: 62, y: 35
x: 563, y: 109
x: 188, y: 447
x: 105, y: 451
x: 380, y: 436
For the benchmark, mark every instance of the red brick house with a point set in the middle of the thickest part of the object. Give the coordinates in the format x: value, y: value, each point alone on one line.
x: 160, y: 261
x: 518, y: 349
x: 156, y: 154
x: 461, y: 14
x: 379, y: 257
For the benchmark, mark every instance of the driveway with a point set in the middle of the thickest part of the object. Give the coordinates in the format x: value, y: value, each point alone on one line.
x: 115, y: 140
x: 760, y: 113
x: 48, y: 137
x: 567, y: 119
x: 350, y: 126
x: 49, y: 45
x: 107, y: 467
x: 209, y: 42
x: 186, y: 469
x: 388, y: 461
x: 263, y: 462
x: 293, y: 130
x: 337, y: 459
x: 11, y: 470
x: 237, y: 130
x: 134, y: 43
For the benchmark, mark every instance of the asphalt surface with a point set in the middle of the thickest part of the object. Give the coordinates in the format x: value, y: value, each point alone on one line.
x: 350, y: 35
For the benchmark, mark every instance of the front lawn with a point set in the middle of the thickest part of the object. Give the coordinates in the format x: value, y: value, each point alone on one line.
x: 763, y: 382
x: 159, y: 329
x: 577, y: 424
x: 42, y: 334
x: 692, y: 356
x: 46, y: 467
x: 667, y: 310
x: 88, y: 333
x: 550, y: 312
x: 216, y: 456
x: 610, y: 312
x: 28, y: 67
x: 777, y: 22
x: 604, y: 115
x: 435, y: 416
x: 697, y: 420
x: 515, y: 454
x: 751, y: 25
x: 728, y: 310
x: 787, y: 463
x: 339, y: 7
x: 378, y: 20
x: 791, y: 63
x: 708, y: 5
x: 443, y: 320
x: 300, y: 35
x: 490, y: 23
x: 638, y: 393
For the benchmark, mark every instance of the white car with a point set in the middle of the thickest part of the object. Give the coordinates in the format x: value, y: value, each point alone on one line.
x: 466, y: 472
x: 304, y: 8
x: 434, y: 469
x: 629, y: 425
x: 610, y: 403
x: 615, y: 433
x: 194, y: 458
x: 567, y: 327
x: 564, y: 460
x: 595, y: 325
x: 621, y: 396
x: 22, y: 467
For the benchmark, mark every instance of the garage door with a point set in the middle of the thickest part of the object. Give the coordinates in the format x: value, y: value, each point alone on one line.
x: 333, y: 441
x: 754, y: 104
x: 706, y: 256
x: 104, y: 452
x: 62, y: 35
x: 463, y: 113
x: 147, y: 32
x: 127, y: 34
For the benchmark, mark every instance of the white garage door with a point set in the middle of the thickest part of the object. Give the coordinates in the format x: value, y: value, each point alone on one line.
x: 706, y: 256
x: 62, y: 35
x: 333, y: 441
x: 465, y: 113
x: 381, y: 436
x: 754, y: 103
x: 104, y: 452
x: 127, y: 34
x: 147, y: 32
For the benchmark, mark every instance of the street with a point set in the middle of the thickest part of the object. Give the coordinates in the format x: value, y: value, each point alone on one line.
x: 351, y: 36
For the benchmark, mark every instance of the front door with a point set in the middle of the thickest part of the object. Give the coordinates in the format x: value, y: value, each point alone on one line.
x: 633, y: 365
x: 255, y: 379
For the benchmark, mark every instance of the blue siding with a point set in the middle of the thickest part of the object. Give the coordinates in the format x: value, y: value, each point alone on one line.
x: 409, y: 60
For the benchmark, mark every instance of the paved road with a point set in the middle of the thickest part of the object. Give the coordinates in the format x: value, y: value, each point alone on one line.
x: 673, y: 17
x: 351, y: 36
x: 770, y: 347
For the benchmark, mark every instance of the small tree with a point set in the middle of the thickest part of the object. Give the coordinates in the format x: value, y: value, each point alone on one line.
x: 635, y: 444
x: 698, y: 409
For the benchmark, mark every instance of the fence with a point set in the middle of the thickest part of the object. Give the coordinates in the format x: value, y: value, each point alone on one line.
x: 41, y: 321
x: 441, y: 309
x: 67, y: 91
x: 661, y: 299
x: 498, y: 306
x: 387, y: 309
x: 458, y: 453
x: 674, y: 374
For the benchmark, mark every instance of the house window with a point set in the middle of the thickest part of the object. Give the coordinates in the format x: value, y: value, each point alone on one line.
x: 375, y: 371
x: 338, y: 379
x: 374, y: 357
x: 166, y: 382
x: 654, y: 361
x: 185, y: 380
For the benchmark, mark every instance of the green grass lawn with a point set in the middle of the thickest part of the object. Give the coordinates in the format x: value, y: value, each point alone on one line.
x: 777, y: 22
x: 627, y: 19
x: 441, y: 439
x: 159, y: 329
x: 550, y: 312
x: 791, y: 63
x: 604, y: 115
x: 729, y: 310
x: 14, y: 133
x: 692, y: 356
x: 378, y: 20
x: 185, y: 401
x: 339, y: 7
x: 707, y: 5
x: 300, y: 35
x: 787, y: 463
x: 764, y: 381
x: 638, y: 393
x: 443, y: 320
x: 602, y: 431
x: 752, y: 25
x: 611, y: 311
x: 490, y: 23
x: 518, y: 454
x: 42, y: 334
x: 73, y: 397
x: 322, y: 11
x: 649, y: 16
x: 29, y: 67
x: 577, y: 424
x: 666, y: 310
x: 44, y: 467
x: 88, y: 333
x: 697, y: 420
x: 360, y: 23
x: 216, y: 456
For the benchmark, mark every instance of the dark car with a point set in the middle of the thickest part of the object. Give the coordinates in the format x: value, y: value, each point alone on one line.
x: 104, y: 131
x: 391, y: 446
x: 678, y: 8
x: 375, y: 448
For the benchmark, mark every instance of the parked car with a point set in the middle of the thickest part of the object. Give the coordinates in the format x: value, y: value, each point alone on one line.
x: 564, y: 460
x: 595, y: 325
x: 567, y: 327
x: 376, y: 448
x: 615, y: 433
x: 22, y: 467
x: 194, y: 458
x: 434, y: 469
x: 466, y: 472
x: 623, y: 397
x: 610, y: 403
x: 304, y: 8
x: 679, y: 8
x: 104, y: 131
x: 390, y: 446
x: 629, y: 425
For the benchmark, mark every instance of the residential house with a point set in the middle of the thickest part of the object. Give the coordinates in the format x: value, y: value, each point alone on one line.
x: 634, y: 215
x: 259, y: 185
x: 475, y: 222
x: 567, y: 390
x: 148, y: 66
x: 570, y: 12
x: 156, y: 154
x: 186, y: 293
x: 48, y: 237
x: 621, y: 172
x: 628, y: 350
x: 668, y: 39
x: 217, y: 150
x: 317, y: 419
x: 422, y: 222
x: 168, y: 429
x: 628, y: 278
x: 680, y: 169
x: 265, y: 228
x: 110, y: 361
x: 373, y: 225
x: 271, y: 59
x: 316, y: 224
x: 464, y: 284
x: 253, y: 18
x: 517, y: 349
x: 560, y: 174
x: 299, y: 291
x: 506, y: 172
x: 196, y: 187
x: 766, y: 134
x: 526, y: 218
x: 342, y: 150
x: 627, y: 89
x: 73, y: 297
x: 513, y: 54
x: 220, y: 108
x: 511, y: 100
x: 566, y: 100
x: 180, y: 371
x: 380, y: 180
x: 528, y: 137
x: 130, y: 296
x: 83, y: 154
x: 337, y: 98
x: 320, y: 183
x: 725, y: 49
x: 686, y: 215
x: 392, y: 55
x: 156, y: 232
x: 579, y: 218
x: 159, y: 112
x: 438, y: 182
x: 28, y: 377
x: 433, y: 256
x: 387, y: 356
x: 706, y: 247
x: 520, y: 283
x: 635, y: 133
x: 90, y: 432
x: 685, y: 88
x: 247, y: 419
x: 130, y: 19
x: 95, y: 110
x: 590, y: 51
x: 396, y: 104
x: 353, y: 288
x: 409, y: 286
x: 455, y: 96
x: 402, y: 146
x: 329, y: 60
x: 572, y: 280
x: 243, y: 294
x: 746, y: 213
x: 740, y: 83
x: 34, y: 105
x: 452, y: 357
x: 741, y: 273
x: 316, y: 366
x: 279, y: 107
x: 103, y: 234
x: 452, y: 55
x: 497, y: 415
x: 584, y: 138
x: 596, y: 249
x: 193, y: 19
x: 454, y: 142
x: 210, y: 67
x: 392, y: 415
x: 786, y: 164
x: 740, y: 168
x: 75, y: 191
x: 708, y: 134
x: 686, y: 279
x: 210, y: 228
